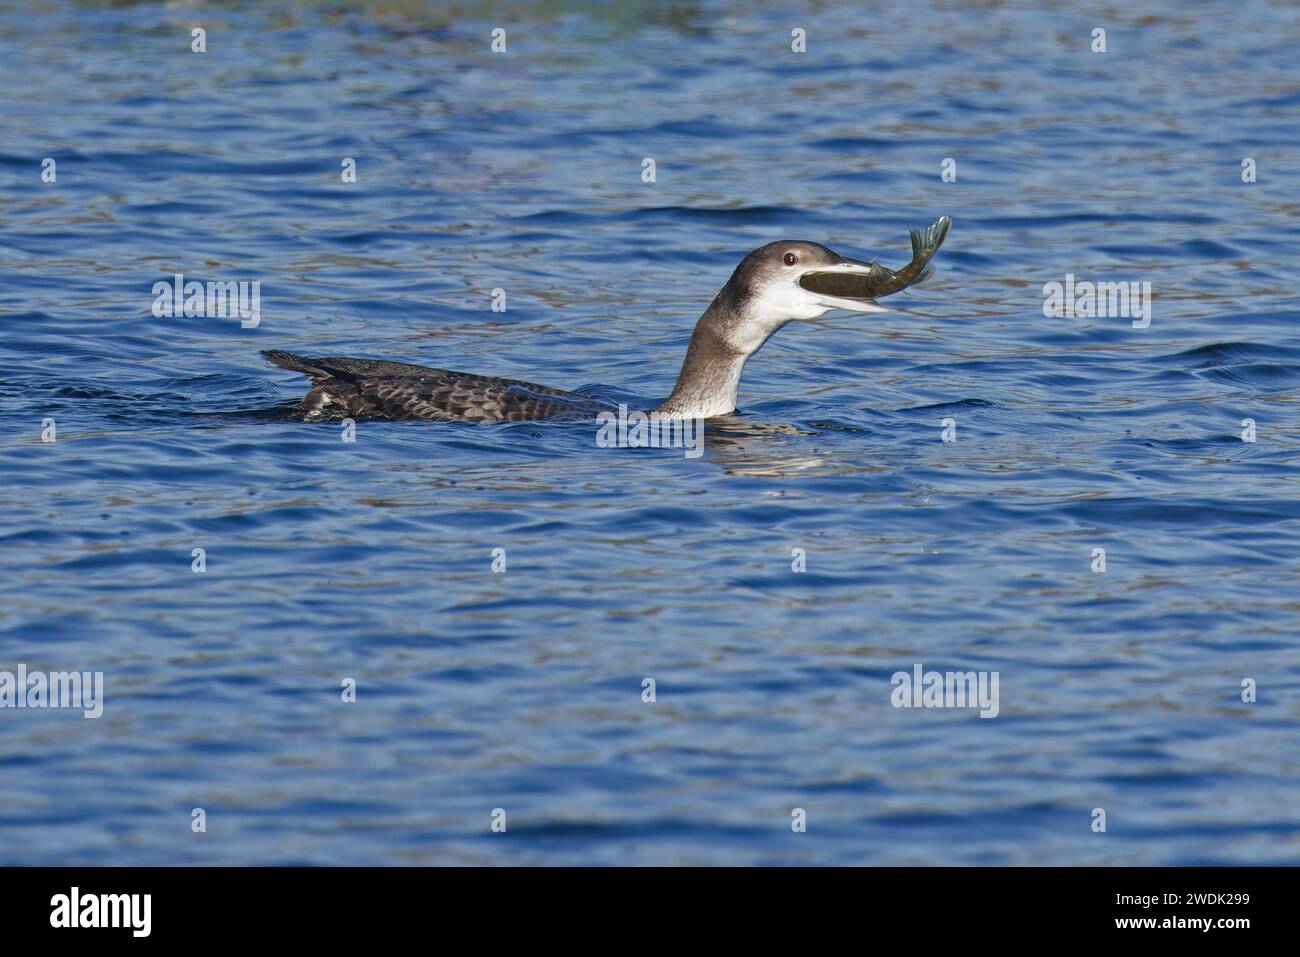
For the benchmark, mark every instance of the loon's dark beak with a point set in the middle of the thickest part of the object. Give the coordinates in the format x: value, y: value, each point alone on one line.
x: 855, y: 285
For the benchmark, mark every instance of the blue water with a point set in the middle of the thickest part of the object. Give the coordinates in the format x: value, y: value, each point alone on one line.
x: 522, y: 690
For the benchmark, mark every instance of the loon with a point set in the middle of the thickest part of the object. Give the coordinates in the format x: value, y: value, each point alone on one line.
x: 773, y: 286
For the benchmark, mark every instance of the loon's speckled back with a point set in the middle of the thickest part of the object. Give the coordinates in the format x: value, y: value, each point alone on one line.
x: 372, y: 388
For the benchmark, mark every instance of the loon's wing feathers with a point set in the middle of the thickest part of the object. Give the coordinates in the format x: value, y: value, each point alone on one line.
x: 344, y: 367
x: 296, y: 363
x: 403, y: 391
x: 454, y: 396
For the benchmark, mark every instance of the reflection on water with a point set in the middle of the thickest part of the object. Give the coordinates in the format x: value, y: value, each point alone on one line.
x: 745, y: 447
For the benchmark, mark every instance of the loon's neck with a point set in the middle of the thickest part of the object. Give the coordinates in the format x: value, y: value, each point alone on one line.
x: 732, y: 329
x: 710, y: 375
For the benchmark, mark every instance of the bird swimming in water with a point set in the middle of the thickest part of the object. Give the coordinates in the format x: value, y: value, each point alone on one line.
x: 773, y: 286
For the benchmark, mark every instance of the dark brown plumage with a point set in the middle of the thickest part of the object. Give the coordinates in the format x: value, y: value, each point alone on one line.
x: 371, y: 388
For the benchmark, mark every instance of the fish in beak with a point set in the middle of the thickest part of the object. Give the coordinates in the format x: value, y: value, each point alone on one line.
x: 854, y: 285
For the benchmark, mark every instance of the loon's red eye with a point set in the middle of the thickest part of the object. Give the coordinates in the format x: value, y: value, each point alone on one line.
x: 791, y: 259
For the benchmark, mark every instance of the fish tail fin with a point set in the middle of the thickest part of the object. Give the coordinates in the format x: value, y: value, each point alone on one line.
x: 926, y: 244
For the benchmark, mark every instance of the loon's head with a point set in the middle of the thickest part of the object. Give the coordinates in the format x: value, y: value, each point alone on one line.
x: 788, y: 280
x: 769, y: 290
x: 785, y: 279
